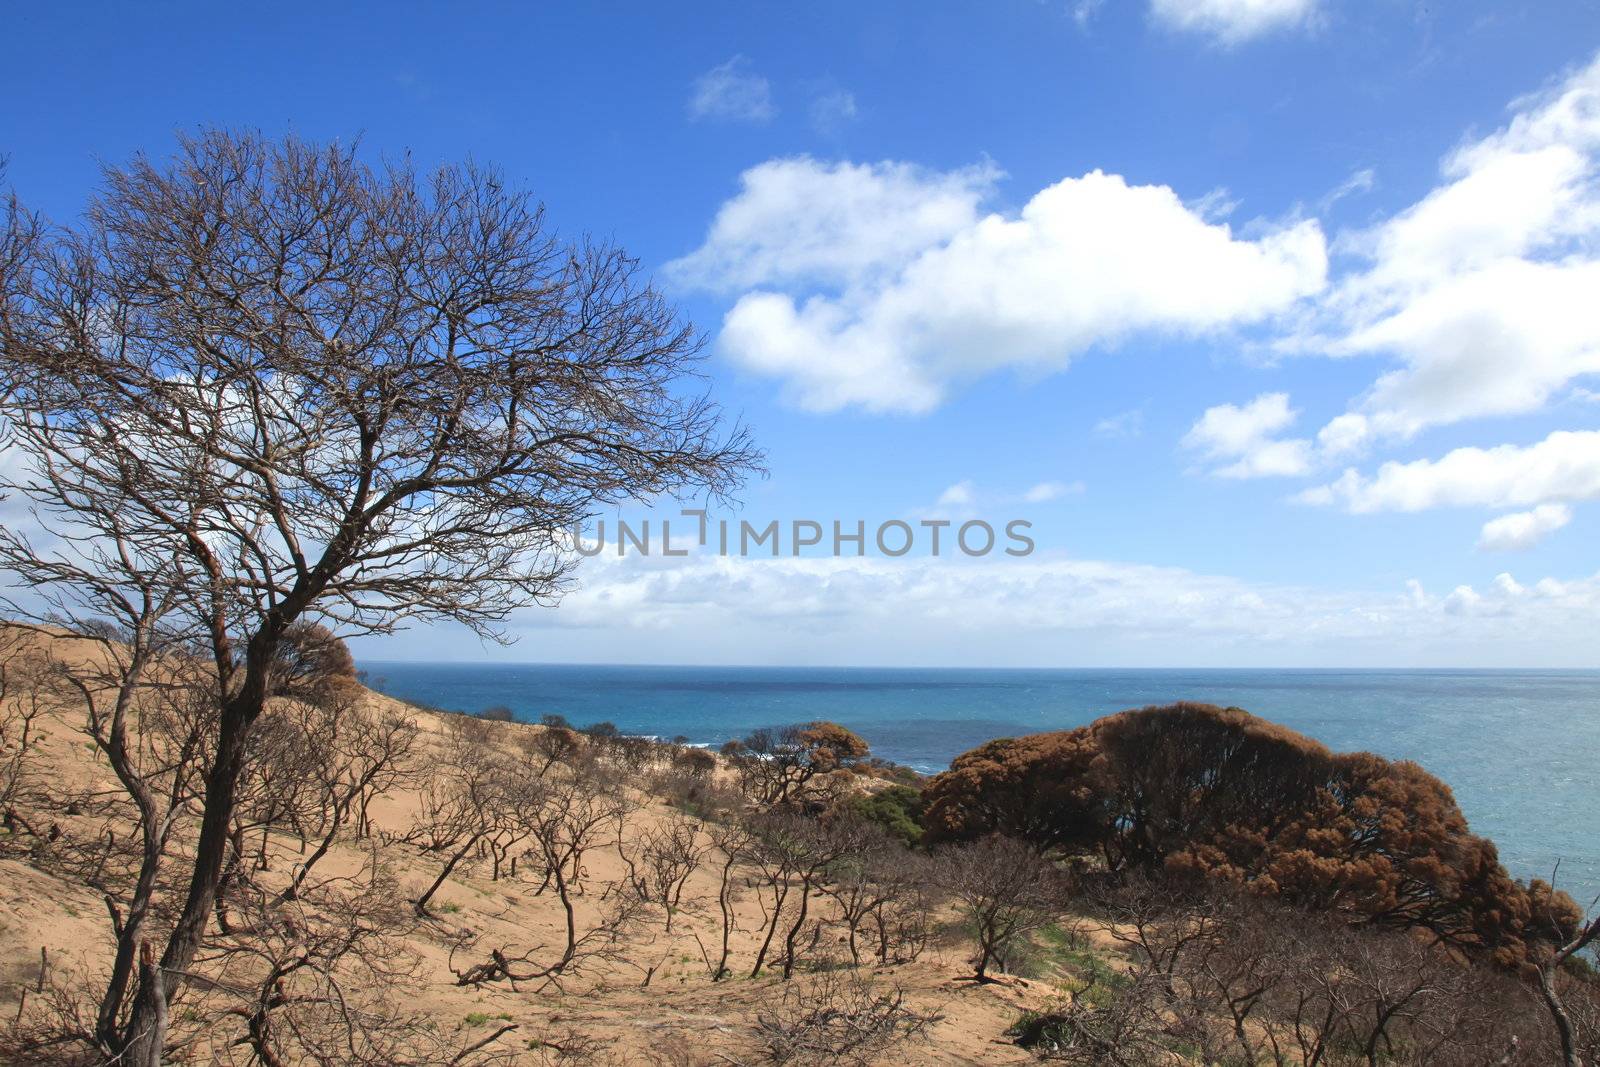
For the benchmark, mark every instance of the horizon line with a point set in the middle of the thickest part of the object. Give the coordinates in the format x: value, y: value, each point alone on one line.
x: 950, y: 667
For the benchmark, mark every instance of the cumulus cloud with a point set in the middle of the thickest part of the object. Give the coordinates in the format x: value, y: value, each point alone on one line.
x: 1482, y: 291
x: 800, y: 221
x: 1232, y: 21
x: 732, y: 92
x: 1523, y: 529
x: 1244, y: 441
x: 895, y: 314
x: 1565, y: 466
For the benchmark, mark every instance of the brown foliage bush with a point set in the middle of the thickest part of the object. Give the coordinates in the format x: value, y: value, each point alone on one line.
x: 1220, y: 795
x: 1045, y: 789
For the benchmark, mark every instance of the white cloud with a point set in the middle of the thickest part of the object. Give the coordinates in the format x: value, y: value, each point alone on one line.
x: 1123, y: 426
x: 1361, y: 181
x: 909, y: 311
x: 797, y: 221
x: 1483, y: 291
x: 1565, y: 466
x: 1523, y: 529
x: 1247, y: 436
x: 966, y: 499
x: 1233, y: 21
x: 1045, y: 492
x: 1344, y: 434
x: 833, y: 110
x: 960, y: 495
x: 732, y: 92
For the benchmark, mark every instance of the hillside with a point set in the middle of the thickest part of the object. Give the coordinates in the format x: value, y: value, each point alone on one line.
x: 646, y: 999
x: 408, y: 886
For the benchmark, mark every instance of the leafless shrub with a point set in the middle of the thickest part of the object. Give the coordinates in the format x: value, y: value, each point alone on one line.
x: 790, y: 856
x: 575, y: 813
x: 883, y: 892
x: 702, y: 797
x: 1232, y: 977
x: 1003, y: 890
x: 1123, y: 1029
x: 662, y: 860
x: 838, y: 1017
x: 550, y: 967
x: 314, y: 978
x: 461, y: 806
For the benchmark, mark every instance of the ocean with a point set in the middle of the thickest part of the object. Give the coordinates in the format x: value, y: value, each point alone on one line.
x: 1520, y: 749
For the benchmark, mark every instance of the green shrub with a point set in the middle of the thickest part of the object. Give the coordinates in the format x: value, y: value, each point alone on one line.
x: 898, y: 809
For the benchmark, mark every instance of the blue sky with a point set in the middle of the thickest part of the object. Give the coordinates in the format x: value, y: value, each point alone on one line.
x: 1278, y: 319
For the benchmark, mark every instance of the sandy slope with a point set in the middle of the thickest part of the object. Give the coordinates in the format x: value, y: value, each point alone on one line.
x: 679, y: 1017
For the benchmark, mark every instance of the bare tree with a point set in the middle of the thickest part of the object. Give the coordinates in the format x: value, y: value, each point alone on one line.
x: 791, y: 854
x: 662, y: 860
x: 1004, y: 890
x: 461, y: 807
x: 153, y: 733
x: 263, y: 382
x: 563, y: 819
x: 733, y: 839
x: 880, y: 887
x: 365, y: 755
x: 574, y: 813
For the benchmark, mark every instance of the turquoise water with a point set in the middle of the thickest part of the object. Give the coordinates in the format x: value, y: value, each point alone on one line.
x: 1519, y: 748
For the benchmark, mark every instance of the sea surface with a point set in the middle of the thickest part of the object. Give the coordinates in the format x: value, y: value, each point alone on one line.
x: 1520, y: 749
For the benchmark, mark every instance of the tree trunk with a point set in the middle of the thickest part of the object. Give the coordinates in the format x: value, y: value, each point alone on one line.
x: 421, y: 902
x: 147, y: 1025
x: 147, y: 1032
x: 772, y: 929
x: 794, y: 931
